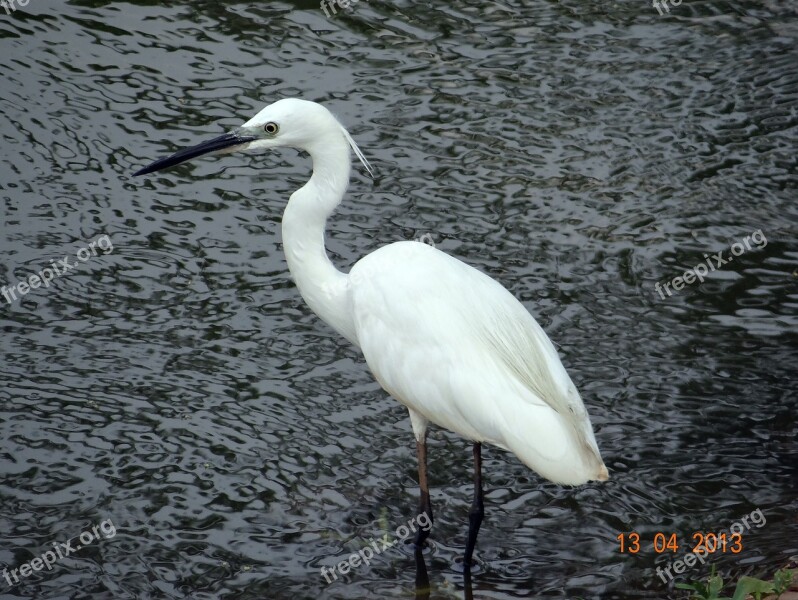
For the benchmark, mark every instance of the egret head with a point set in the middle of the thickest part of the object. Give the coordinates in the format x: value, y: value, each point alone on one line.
x: 288, y: 123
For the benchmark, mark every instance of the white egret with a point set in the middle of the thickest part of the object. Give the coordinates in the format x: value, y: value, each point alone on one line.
x: 444, y: 339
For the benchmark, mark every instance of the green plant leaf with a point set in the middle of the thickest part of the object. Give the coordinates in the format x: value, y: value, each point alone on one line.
x: 751, y: 585
x: 714, y: 585
x: 708, y: 591
x: 782, y: 580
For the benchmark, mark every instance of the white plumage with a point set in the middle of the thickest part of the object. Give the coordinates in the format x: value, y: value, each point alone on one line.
x: 444, y: 339
x: 460, y: 351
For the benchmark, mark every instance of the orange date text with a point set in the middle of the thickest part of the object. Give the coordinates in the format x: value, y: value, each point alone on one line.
x: 700, y: 543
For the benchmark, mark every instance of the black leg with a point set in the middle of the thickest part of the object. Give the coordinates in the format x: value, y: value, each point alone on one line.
x: 424, y: 504
x: 468, y: 589
x: 477, y: 511
x: 423, y: 589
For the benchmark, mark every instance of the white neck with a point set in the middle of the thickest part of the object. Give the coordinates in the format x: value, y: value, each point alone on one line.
x: 323, y: 287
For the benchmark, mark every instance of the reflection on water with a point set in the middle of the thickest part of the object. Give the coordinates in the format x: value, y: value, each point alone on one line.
x: 579, y: 152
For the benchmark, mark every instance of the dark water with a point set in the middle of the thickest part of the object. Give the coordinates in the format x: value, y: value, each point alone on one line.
x: 177, y: 390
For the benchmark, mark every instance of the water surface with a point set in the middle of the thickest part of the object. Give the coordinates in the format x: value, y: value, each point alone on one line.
x: 579, y: 152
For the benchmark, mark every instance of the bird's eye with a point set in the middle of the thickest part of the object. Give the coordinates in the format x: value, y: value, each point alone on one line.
x: 271, y: 128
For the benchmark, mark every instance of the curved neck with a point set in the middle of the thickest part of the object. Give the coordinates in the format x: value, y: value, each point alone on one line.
x: 323, y: 287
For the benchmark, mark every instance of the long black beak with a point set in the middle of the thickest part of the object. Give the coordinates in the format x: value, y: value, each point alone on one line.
x: 227, y: 142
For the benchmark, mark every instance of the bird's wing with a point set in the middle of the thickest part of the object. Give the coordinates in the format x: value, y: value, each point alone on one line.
x: 453, y: 345
x: 430, y: 299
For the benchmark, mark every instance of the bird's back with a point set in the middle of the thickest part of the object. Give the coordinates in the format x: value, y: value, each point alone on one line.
x: 453, y: 345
